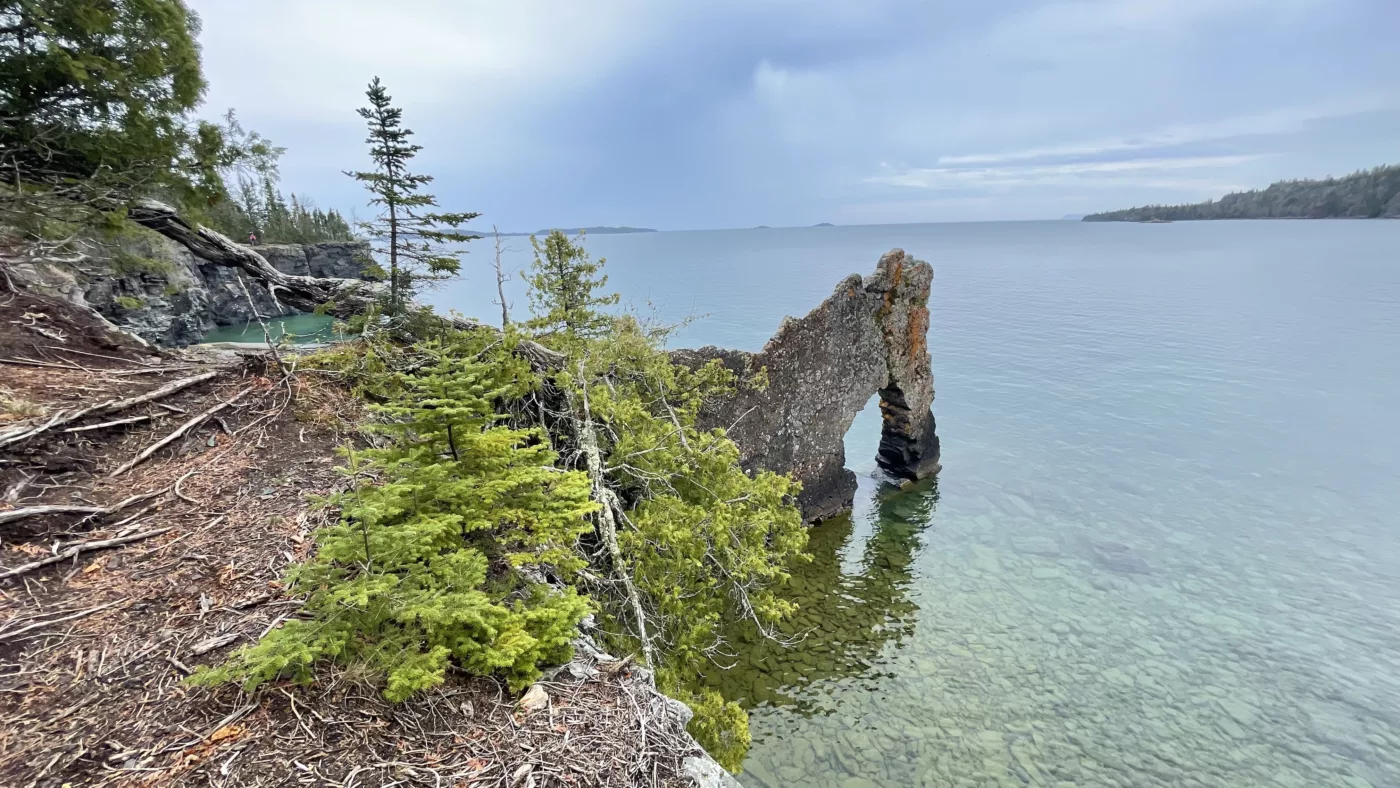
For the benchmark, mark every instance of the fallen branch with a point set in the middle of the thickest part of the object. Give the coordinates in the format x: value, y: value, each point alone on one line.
x: 609, y: 510
x: 77, y: 549
x: 337, y: 297
x: 105, y: 424
x: 181, y: 430
x: 36, y: 511
x: 109, y: 407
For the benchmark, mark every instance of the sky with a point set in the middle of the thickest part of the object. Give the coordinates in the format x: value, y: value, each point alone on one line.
x: 675, y: 114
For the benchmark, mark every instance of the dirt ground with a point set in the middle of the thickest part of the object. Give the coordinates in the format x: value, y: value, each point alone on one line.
x: 148, y: 569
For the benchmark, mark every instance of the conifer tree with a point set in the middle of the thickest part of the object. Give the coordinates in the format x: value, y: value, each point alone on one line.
x: 424, y: 567
x: 564, y: 289
x: 702, y: 544
x: 96, y: 110
x: 416, y: 241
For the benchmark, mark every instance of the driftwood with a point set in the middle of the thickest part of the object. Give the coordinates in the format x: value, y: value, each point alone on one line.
x: 337, y: 297
x: 27, y: 431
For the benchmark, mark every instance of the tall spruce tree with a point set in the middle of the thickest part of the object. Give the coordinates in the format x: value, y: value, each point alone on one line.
x: 565, y: 289
x: 415, y: 241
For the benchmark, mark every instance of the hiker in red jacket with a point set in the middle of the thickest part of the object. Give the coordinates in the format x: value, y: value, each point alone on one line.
x: 252, y: 239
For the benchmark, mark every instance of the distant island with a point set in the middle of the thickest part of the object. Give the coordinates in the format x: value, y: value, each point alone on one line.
x: 1367, y: 194
x: 589, y: 231
x: 823, y: 224
x: 1072, y: 217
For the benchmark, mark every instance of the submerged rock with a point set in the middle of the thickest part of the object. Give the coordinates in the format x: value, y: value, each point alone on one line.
x: 869, y: 337
x: 1118, y: 558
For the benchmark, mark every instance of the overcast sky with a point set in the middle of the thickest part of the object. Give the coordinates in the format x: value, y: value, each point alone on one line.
x: 733, y: 113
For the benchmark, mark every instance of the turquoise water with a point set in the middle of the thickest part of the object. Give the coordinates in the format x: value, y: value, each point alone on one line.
x: 297, y: 329
x: 1165, y: 548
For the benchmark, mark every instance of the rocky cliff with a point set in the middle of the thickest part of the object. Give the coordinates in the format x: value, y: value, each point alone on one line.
x: 161, y: 292
x: 869, y: 337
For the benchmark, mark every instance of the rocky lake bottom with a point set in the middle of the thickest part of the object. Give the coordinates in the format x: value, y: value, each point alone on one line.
x: 997, y: 643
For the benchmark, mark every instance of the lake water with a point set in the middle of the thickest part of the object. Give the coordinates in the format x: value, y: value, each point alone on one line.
x: 1165, y: 546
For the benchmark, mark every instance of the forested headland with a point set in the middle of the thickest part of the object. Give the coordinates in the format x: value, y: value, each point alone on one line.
x: 1366, y: 194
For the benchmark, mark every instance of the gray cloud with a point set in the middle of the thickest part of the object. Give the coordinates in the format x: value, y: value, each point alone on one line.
x: 734, y: 113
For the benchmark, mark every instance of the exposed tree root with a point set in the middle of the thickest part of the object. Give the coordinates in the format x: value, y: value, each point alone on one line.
x: 85, y: 547
x: 27, y: 431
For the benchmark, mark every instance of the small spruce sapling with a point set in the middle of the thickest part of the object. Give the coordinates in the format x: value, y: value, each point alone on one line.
x: 566, y: 290
x: 423, y: 570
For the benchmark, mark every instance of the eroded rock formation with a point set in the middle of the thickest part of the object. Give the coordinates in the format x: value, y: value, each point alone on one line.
x: 869, y: 337
x: 160, y: 291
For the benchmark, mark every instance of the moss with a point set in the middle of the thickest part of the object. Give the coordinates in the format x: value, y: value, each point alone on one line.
x: 129, y: 302
x: 133, y: 264
x: 173, y: 289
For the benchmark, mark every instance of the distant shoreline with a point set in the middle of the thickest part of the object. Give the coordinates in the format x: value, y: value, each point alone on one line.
x: 1367, y: 194
x: 585, y: 230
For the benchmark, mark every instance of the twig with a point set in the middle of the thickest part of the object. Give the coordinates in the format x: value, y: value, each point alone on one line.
x: 181, y: 430
x: 218, y: 641
x: 181, y: 495
x: 85, y: 547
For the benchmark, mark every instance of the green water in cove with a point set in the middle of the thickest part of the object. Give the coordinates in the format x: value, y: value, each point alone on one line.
x: 297, y: 329
x: 1165, y: 546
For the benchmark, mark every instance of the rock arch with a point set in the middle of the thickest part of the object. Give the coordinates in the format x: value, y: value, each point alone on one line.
x: 870, y: 337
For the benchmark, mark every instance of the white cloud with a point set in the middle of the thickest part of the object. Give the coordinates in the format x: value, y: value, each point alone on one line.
x: 312, y: 58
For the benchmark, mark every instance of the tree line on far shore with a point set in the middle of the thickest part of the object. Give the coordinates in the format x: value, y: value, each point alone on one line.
x: 1365, y: 194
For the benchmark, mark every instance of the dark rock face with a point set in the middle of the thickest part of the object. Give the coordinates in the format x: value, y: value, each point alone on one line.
x: 870, y: 336
x: 169, y: 297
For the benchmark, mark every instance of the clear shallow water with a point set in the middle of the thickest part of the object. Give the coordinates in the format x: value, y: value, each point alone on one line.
x: 1165, y: 548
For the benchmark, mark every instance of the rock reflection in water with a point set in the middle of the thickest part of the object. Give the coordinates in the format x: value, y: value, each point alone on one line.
x: 845, y: 619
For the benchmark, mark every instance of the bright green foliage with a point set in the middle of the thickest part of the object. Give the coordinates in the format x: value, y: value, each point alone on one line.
x: 708, y: 542
x: 416, y: 242
x: 705, y: 543
x: 720, y: 726
x: 432, y: 561
x: 564, y: 290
